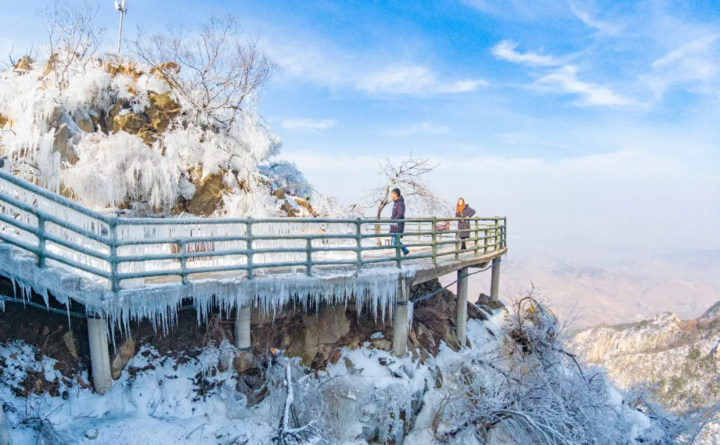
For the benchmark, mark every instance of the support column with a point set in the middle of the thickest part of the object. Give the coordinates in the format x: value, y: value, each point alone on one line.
x: 495, y: 283
x: 461, y: 306
x: 242, y: 328
x: 4, y: 433
x: 400, y: 321
x: 99, y: 354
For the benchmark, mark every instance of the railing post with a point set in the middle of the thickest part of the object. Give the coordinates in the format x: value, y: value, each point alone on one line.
x: 41, y: 241
x: 477, y: 236
x: 485, y: 240
x: 457, y: 242
x: 358, y: 235
x: 434, y: 241
x: 308, y: 251
x: 249, y: 246
x: 461, y: 306
x: 183, y: 261
x: 114, y: 281
x: 497, y: 229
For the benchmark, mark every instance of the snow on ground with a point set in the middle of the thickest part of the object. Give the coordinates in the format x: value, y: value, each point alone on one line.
x: 190, y: 400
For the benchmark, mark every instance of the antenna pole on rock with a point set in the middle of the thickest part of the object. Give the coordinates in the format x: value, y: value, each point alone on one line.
x: 122, y: 8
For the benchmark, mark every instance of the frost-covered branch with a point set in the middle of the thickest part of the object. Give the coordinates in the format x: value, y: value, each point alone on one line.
x: 211, y: 67
x: 73, y: 36
x: 410, y: 176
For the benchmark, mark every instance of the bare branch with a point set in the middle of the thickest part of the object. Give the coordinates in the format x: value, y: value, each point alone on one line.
x: 210, y: 67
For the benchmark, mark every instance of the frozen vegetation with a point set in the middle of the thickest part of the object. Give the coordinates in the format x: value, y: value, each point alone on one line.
x: 516, y: 384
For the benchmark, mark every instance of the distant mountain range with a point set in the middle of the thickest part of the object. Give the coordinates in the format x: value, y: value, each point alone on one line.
x: 677, y: 360
x: 684, y: 282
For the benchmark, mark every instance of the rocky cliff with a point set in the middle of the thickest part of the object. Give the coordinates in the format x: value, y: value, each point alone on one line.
x: 675, y: 359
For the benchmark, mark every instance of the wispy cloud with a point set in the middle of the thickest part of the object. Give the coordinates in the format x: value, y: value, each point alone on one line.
x: 695, y: 64
x: 337, y: 69
x: 413, y: 79
x: 308, y: 124
x: 592, y: 22
x: 565, y: 80
x: 505, y: 50
x: 423, y: 127
x: 692, y: 48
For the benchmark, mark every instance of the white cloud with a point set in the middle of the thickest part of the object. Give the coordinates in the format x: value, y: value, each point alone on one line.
x: 564, y: 80
x: 333, y: 68
x: 591, y: 22
x: 694, y: 47
x: 506, y: 50
x: 308, y: 124
x: 412, y: 79
x: 423, y: 127
x: 695, y: 65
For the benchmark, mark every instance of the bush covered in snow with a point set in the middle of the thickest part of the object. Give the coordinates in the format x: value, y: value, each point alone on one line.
x: 172, y: 129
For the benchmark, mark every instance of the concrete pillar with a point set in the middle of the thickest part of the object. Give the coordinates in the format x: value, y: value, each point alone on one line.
x: 400, y: 322
x: 461, y: 306
x: 99, y: 354
x: 242, y: 328
x: 495, y: 283
x: 4, y: 433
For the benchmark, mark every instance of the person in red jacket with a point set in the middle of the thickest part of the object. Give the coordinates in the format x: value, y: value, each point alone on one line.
x: 463, y: 210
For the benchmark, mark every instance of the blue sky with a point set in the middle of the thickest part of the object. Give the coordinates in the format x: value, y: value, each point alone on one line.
x: 599, y: 119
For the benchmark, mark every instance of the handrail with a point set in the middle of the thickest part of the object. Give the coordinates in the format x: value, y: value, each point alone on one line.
x: 122, y: 251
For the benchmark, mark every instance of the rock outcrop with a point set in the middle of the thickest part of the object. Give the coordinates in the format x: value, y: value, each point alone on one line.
x: 675, y: 358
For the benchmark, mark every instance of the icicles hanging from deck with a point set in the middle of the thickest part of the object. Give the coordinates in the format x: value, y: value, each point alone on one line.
x: 374, y: 291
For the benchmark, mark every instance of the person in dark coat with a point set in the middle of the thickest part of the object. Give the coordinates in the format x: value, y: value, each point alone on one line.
x: 463, y: 211
x: 398, y: 212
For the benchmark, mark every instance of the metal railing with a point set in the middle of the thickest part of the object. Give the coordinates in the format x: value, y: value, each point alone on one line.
x: 131, y: 252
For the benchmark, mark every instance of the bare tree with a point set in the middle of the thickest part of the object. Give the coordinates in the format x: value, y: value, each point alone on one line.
x: 410, y: 176
x: 73, y: 36
x: 210, y: 66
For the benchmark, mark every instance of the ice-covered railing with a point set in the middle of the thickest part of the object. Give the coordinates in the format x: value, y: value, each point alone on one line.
x: 135, y: 252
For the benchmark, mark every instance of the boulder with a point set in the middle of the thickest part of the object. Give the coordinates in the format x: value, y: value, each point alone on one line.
x: 114, y: 111
x: 63, y: 144
x: 25, y: 64
x: 85, y: 124
x: 169, y: 68
x: 305, y: 344
x: 148, y: 135
x: 163, y: 109
x: 333, y: 324
x: 485, y: 300
x: 69, y: 341
x: 129, y: 122
x: 208, y: 195
x: 243, y: 362
x: 125, y: 352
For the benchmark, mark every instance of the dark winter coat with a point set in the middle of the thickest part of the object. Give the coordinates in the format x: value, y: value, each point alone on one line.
x: 398, y: 212
x: 464, y: 225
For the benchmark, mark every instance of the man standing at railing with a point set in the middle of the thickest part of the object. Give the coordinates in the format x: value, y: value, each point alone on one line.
x: 398, y: 212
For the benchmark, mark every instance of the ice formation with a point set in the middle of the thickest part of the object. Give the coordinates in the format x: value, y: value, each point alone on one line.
x: 115, y: 136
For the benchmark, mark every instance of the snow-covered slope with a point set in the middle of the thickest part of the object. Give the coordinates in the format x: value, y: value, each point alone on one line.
x: 363, y: 395
x: 113, y: 134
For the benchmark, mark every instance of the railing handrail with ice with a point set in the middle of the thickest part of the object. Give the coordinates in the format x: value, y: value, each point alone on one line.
x: 125, y: 250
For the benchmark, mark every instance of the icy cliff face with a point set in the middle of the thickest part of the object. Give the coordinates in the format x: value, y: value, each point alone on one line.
x: 115, y: 135
x: 676, y: 359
